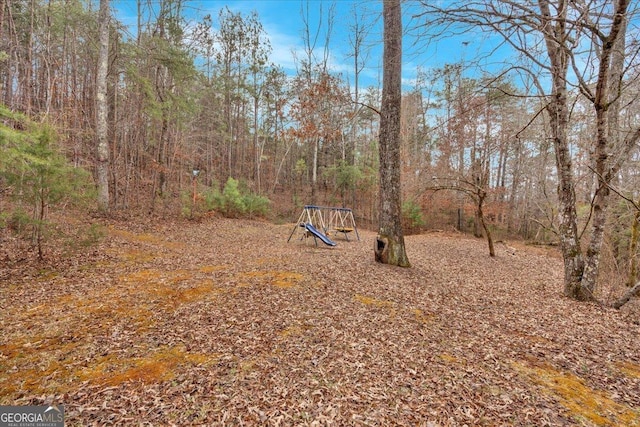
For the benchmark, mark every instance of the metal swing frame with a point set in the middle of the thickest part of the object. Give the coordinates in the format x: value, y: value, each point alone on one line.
x: 327, y: 219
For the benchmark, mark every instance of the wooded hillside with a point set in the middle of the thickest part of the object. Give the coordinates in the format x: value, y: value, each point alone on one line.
x: 165, y: 114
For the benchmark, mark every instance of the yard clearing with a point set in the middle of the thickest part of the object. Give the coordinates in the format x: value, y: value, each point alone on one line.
x: 222, y: 322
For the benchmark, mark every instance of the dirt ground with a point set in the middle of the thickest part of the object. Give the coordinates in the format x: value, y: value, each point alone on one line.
x: 222, y: 322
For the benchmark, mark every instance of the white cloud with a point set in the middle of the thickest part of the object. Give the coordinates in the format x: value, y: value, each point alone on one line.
x: 285, y: 47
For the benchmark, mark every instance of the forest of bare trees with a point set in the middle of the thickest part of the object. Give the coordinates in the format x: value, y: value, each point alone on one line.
x: 542, y: 146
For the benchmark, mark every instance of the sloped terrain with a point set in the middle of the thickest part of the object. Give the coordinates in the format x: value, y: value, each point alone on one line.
x: 225, y: 323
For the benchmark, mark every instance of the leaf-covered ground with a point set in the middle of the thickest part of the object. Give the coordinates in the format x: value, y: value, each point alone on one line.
x: 225, y: 323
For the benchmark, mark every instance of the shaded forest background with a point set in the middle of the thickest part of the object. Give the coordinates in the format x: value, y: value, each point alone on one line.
x: 201, y: 120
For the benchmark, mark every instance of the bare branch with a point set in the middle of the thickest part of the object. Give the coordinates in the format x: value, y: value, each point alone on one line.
x: 633, y: 292
x: 615, y: 190
x: 367, y: 106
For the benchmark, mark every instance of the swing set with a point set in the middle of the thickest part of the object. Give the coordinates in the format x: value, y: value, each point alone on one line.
x: 325, y: 220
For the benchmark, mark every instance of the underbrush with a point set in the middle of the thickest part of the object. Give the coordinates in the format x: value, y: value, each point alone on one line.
x: 67, y: 236
x: 234, y: 201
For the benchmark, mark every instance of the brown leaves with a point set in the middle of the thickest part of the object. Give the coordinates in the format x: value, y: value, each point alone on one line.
x: 224, y: 323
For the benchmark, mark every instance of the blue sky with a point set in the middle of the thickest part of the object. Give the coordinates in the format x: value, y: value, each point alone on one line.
x: 284, y: 24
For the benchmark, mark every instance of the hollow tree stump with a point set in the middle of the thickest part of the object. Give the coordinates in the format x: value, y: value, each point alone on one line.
x: 381, y: 249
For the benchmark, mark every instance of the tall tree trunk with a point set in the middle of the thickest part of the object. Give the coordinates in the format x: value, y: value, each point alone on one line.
x: 257, y: 153
x: 558, y: 111
x: 633, y: 247
x: 102, y: 167
x: 29, y: 83
x: 477, y: 181
x: 314, y: 169
x: 389, y: 247
x: 607, y: 106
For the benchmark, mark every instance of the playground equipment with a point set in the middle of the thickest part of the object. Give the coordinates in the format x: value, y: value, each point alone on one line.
x: 325, y: 220
x: 316, y: 234
x: 341, y: 220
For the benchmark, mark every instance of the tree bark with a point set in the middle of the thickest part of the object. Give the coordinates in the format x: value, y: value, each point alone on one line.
x: 390, y: 248
x: 554, y: 34
x: 633, y: 247
x: 635, y: 291
x: 102, y: 146
x: 480, y: 214
x: 607, y: 107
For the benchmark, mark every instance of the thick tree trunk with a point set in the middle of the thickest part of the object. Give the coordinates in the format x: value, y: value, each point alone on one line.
x: 389, y: 248
x: 102, y: 146
x: 555, y: 30
x: 568, y: 230
x: 607, y: 107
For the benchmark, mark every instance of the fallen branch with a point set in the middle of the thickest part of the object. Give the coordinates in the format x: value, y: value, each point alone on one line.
x: 540, y: 243
x: 634, y: 291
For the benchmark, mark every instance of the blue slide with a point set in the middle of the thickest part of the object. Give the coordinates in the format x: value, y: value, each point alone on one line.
x: 319, y: 235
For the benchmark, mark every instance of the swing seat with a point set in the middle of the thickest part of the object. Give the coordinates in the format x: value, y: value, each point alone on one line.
x: 325, y: 219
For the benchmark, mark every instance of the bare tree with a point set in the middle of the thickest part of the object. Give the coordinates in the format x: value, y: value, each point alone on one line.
x: 475, y: 188
x: 314, y: 74
x: 573, y: 45
x: 102, y: 146
x: 606, y: 102
x: 389, y: 247
x: 632, y: 279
